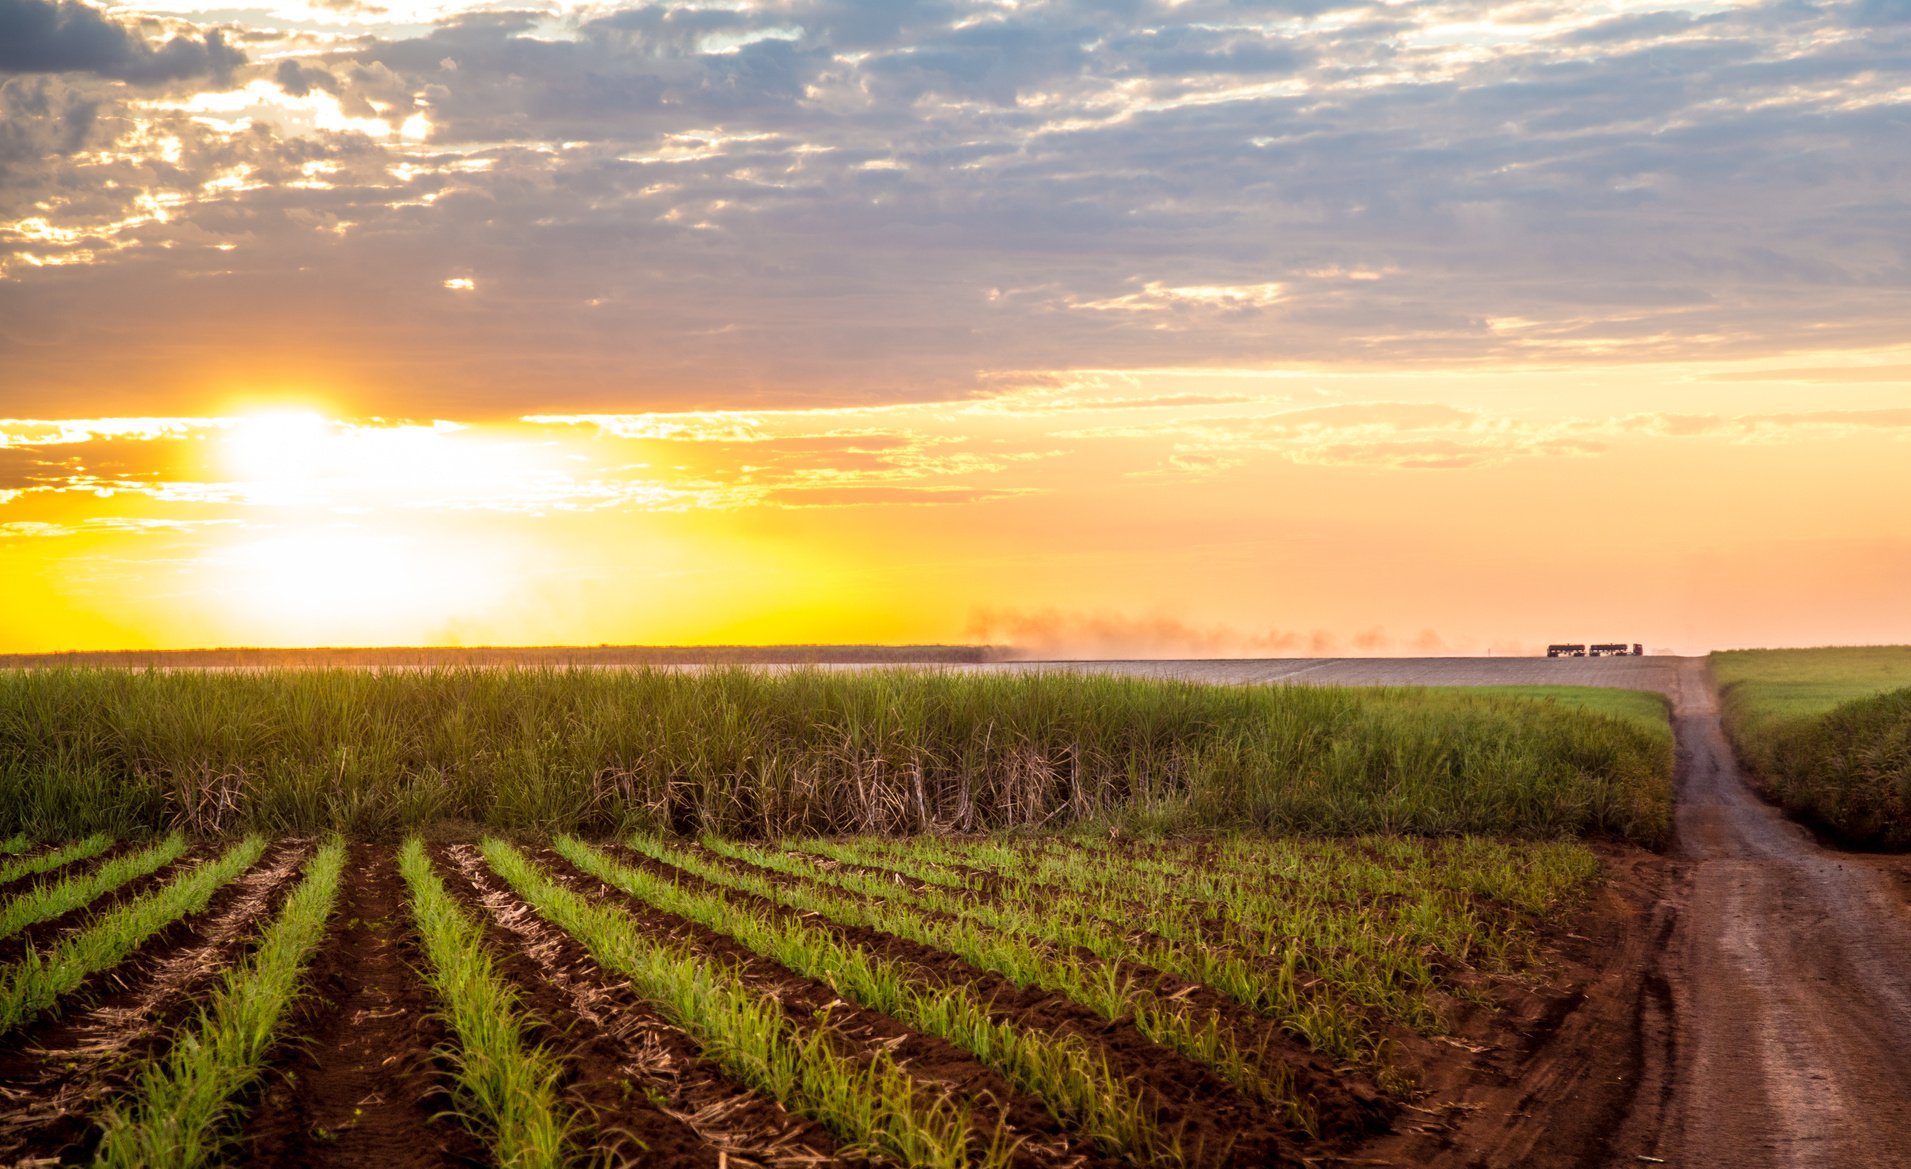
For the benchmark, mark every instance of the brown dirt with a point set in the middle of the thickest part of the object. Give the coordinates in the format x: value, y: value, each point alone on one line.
x: 56, y: 1070
x: 358, y: 1085
x: 1742, y: 1003
x: 648, y: 1096
x: 1043, y: 1141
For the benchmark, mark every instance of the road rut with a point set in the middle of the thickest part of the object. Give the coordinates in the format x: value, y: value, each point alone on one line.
x: 1791, y: 979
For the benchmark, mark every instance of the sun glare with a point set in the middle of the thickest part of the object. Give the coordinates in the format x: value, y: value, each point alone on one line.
x: 348, y: 543
x: 346, y: 583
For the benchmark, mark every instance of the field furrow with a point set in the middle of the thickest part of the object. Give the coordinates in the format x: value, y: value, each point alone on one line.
x: 18, y: 873
x: 505, y: 1086
x: 1198, y: 1076
x: 43, y: 976
x: 1256, y: 1057
x: 356, y: 1081
x: 47, y: 906
x: 1068, y: 1075
x: 1268, y: 982
x: 1005, y: 1003
x: 63, y: 1067
x: 795, y: 1038
x: 179, y: 1116
x: 619, y: 1070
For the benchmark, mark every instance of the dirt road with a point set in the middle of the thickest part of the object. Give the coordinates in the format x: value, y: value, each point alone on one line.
x: 1790, y: 973
x: 1752, y: 1011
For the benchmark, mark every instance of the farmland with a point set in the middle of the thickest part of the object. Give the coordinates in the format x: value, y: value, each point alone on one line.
x: 553, y: 918
x: 1026, y: 1001
x: 1827, y: 734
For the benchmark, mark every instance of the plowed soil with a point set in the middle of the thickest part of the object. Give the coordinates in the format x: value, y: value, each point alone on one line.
x: 55, y: 1071
x: 358, y: 1084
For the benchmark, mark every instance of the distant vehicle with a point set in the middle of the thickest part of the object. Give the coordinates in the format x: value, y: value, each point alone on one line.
x: 1611, y: 649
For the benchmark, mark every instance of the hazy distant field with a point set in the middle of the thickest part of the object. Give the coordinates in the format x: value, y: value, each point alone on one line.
x: 1641, y: 673
x: 1827, y: 732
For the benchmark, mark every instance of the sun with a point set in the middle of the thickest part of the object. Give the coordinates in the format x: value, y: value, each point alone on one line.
x: 279, y: 451
x: 360, y: 532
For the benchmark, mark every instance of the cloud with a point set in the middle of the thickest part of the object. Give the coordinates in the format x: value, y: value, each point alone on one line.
x: 675, y: 206
x: 1772, y: 427
x: 67, y: 36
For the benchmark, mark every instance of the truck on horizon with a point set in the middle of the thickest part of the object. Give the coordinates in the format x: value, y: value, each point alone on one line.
x: 1610, y: 649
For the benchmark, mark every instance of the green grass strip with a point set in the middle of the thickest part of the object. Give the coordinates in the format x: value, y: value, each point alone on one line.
x: 37, y: 980
x: 508, y: 1086
x: 1102, y: 987
x: 866, y: 1103
x: 181, y: 1101
x: 1070, y: 1078
x: 43, y: 902
x: 80, y: 850
x: 15, y: 845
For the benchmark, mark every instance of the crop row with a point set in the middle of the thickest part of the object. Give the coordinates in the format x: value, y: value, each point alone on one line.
x: 1129, y: 1004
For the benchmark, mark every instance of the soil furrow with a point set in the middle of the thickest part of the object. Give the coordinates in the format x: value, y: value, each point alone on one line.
x: 357, y: 1085
x: 701, y: 1117
x: 21, y: 884
x: 63, y: 1066
x: 1209, y: 1112
x: 1345, y: 1103
x: 42, y: 933
x: 1043, y: 1140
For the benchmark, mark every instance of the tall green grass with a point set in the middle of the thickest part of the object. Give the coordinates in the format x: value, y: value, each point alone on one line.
x: 758, y: 754
x: 1827, y: 733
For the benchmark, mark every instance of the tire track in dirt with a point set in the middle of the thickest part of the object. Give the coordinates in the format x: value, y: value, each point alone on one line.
x: 354, y: 1082
x: 1790, y: 976
x: 58, y: 1069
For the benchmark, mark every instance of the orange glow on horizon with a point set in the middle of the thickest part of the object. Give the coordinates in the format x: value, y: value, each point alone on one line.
x: 1209, y: 512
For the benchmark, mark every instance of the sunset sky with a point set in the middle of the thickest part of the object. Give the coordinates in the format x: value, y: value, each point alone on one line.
x: 1157, y: 328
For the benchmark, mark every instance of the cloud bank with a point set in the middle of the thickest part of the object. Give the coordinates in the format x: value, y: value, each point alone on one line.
x: 667, y: 206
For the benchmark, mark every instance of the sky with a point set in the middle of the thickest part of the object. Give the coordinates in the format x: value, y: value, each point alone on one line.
x: 1144, y: 328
